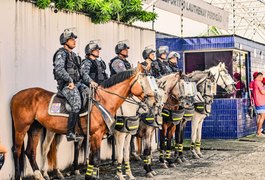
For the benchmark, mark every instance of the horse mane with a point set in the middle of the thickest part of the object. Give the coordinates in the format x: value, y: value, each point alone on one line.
x: 197, y: 72
x: 117, y: 78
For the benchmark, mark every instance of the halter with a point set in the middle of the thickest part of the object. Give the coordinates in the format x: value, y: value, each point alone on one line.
x: 203, y: 94
x: 219, y: 75
x: 133, y: 101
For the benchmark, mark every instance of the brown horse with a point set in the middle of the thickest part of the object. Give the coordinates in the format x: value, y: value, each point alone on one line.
x: 29, y: 109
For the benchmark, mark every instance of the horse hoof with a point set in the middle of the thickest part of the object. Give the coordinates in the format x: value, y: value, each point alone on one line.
x: 131, y: 177
x: 154, y: 173
x: 164, y: 165
x: 76, y: 172
x: 46, y: 177
x: 172, y: 165
x: 178, y: 160
x: 120, y: 176
x: 136, y: 156
x: 90, y: 177
x: 200, y: 155
x: 149, y: 175
x: 183, y: 159
x: 37, y: 175
x: 195, y: 156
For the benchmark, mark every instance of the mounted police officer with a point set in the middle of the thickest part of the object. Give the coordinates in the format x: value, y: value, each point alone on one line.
x: 149, y: 56
x: 159, y: 66
x: 173, y: 58
x: 66, y: 72
x: 93, y: 67
x: 120, y: 63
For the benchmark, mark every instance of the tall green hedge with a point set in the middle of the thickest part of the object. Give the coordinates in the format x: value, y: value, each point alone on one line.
x: 102, y: 11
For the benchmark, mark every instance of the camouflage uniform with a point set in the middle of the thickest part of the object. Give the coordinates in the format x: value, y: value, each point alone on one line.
x: 93, y: 70
x: 159, y: 68
x: 66, y: 70
x: 118, y: 65
x: 173, y: 67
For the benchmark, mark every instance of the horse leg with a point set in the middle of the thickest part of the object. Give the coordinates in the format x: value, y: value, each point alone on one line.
x: 94, y: 157
x: 139, y: 145
x: 77, y: 146
x: 147, y: 152
x: 58, y: 173
x: 194, y: 133
x: 119, y: 139
x: 180, y: 145
x: 163, y: 145
x: 198, y: 139
x: 153, y: 131
x: 171, y: 131
x: 18, y: 151
x: 127, y: 156
x: 177, y: 140
x: 33, y: 140
x: 45, y: 149
x: 133, y: 150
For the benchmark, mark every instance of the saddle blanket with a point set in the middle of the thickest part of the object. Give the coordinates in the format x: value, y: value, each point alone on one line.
x: 58, y: 106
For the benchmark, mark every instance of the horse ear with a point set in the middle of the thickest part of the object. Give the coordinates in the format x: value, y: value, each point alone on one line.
x: 223, y: 65
x: 140, y: 67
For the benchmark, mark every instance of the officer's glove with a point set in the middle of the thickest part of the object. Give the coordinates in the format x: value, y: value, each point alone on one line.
x: 93, y: 84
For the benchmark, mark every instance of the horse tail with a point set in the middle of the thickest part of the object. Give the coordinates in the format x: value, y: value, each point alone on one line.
x: 22, y: 154
x: 51, y: 156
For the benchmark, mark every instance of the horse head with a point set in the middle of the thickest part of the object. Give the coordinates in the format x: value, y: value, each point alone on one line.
x: 173, y: 86
x: 223, y: 78
x: 146, y: 89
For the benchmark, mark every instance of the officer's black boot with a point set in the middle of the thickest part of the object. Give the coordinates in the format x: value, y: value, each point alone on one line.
x: 73, y: 117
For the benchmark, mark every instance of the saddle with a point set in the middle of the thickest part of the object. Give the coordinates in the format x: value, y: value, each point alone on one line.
x: 59, y: 106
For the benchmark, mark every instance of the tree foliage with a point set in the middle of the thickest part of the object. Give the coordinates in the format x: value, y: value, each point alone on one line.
x: 102, y: 11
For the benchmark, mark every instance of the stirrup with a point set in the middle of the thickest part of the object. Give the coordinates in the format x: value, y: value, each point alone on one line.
x: 72, y: 137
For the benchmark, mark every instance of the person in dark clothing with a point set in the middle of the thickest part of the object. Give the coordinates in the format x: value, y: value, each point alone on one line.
x: 158, y: 66
x: 93, y: 68
x: 149, y: 56
x: 66, y: 72
x: 120, y: 63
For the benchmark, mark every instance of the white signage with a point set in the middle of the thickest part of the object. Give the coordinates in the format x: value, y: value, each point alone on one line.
x: 197, y: 10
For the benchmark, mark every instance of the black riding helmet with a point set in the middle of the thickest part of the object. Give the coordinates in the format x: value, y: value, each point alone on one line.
x: 67, y: 34
x: 91, y: 46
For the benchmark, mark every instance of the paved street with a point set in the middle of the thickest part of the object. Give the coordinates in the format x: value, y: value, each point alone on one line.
x: 223, y: 159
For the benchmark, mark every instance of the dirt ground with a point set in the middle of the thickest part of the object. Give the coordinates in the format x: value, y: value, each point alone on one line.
x: 223, y: 159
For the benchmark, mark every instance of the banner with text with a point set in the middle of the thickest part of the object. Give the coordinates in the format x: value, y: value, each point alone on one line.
x: 197, y: 10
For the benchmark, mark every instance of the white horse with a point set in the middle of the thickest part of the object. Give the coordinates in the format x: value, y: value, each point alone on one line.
x: 206, y: 86
x: 127, y: 124
x: 169, y: 85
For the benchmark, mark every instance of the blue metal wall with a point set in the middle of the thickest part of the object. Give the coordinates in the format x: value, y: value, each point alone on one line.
x: 229, y: 117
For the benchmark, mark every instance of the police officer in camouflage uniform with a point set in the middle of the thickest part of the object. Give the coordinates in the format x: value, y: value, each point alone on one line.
x: 149, y: 56
x: 173, y: 59
x: 93, y: 67
x: 120, y: 63
x: 66, y: 72
x: 159, y: 66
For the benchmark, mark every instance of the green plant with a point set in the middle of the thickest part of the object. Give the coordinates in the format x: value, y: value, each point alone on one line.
x: 43, y: 3
x: 102, y: 11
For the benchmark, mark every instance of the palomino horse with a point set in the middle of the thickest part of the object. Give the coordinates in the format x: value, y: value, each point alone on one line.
x: 220, y: 76
x: 174, y: 115
x: 30, y: 106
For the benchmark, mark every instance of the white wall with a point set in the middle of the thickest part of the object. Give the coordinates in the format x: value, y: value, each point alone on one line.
x: 170, y: 23
x: 28, y: 39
